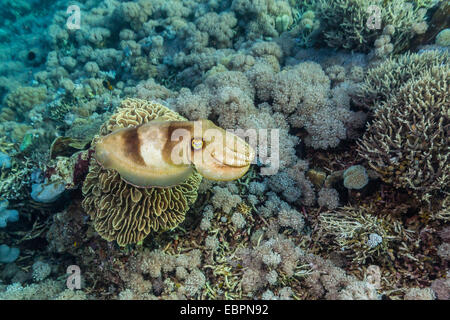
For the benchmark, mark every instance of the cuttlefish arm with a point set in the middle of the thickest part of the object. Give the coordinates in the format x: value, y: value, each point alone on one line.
x: 224, y: 156
x: 164, y: 153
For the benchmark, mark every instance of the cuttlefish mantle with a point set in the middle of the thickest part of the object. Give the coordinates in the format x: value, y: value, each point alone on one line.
x: 165, y: 153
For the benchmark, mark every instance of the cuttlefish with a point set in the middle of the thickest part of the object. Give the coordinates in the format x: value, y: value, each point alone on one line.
x: 165, y: 153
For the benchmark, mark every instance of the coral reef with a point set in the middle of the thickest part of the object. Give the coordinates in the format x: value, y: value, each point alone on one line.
x: 47, y: 290
x: 362, y: 234
x: 344, y: 102
x: 382, y: 82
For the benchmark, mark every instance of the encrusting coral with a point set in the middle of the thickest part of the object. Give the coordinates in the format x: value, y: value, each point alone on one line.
x: 123, y: 212
x: 443, y: 38
x: 355, y: 177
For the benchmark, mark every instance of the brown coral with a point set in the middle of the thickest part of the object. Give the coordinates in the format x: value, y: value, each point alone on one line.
x: 126, y: 213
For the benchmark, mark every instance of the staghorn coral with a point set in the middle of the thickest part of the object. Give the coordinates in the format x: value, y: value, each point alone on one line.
x: 126, y: 213
x: 384, y: 81
x: 407, y: 143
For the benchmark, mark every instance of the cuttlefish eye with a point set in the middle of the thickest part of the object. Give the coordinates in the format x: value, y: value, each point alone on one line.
x: 197, y: 143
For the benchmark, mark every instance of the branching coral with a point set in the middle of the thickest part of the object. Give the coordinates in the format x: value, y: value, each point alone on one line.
x: 407, y: 143
x: 383, y: 82
x: 15, y: 181
x: 126, y: 213
x: 353, y: 25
